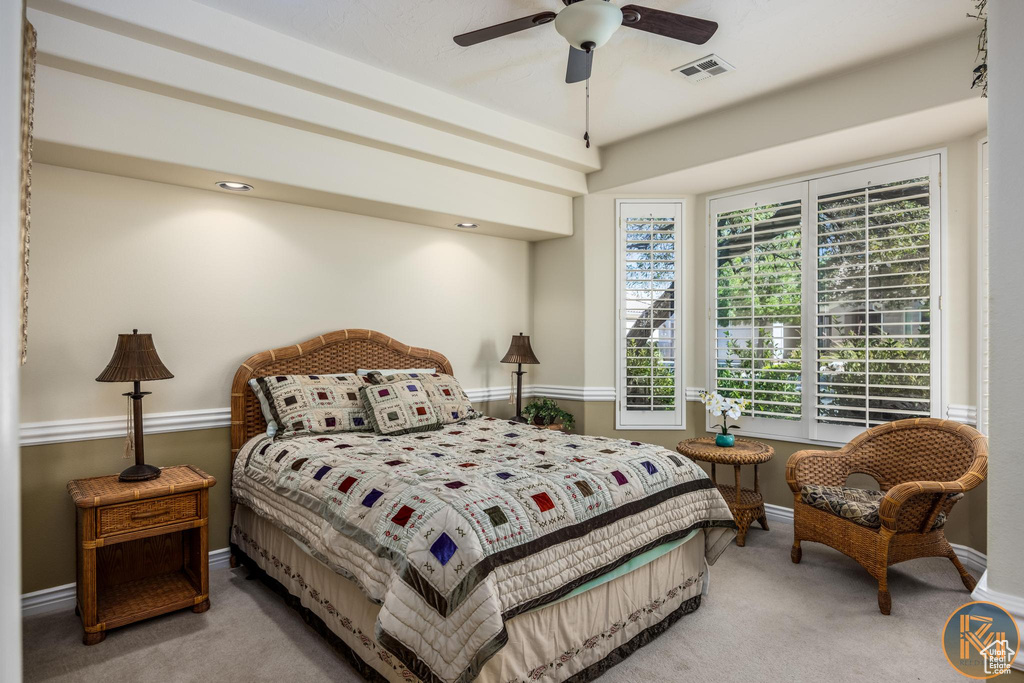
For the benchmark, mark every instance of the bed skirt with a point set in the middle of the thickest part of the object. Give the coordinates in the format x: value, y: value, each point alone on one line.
x: 575, y: 640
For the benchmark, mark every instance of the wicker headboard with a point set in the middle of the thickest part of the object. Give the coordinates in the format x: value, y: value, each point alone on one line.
x: 334, y: 352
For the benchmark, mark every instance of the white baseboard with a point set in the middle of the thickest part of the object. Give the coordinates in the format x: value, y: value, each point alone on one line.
x: 974, y: 560
x: 1014, y: 604
x: 220, y: 558
x: 61, y: 598
x: 56, y: 599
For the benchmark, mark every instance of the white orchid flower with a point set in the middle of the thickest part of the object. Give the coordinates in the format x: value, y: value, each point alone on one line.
x: 734, y: 413
x: 833, y: 367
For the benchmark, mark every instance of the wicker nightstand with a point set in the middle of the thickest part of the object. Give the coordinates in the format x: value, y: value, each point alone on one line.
x: 746, y: 505
x: 141, y: 547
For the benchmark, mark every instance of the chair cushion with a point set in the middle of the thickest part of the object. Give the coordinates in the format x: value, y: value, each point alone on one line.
x: 860, y: 506
x: 857, y: 505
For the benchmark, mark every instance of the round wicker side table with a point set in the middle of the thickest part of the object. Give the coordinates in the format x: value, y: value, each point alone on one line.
x: 746, y: 505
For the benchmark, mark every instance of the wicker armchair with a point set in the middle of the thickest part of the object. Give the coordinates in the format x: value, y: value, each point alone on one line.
x: 923, y: 466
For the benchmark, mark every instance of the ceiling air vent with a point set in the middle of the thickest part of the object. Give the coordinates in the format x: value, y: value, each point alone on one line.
x: 704, y: 68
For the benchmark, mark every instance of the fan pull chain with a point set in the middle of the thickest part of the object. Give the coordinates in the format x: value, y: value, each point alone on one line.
x: 586, y: 134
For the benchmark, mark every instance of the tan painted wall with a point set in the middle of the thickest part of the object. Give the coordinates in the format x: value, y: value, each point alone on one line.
x: 48, y: 515
x: 217, y: 277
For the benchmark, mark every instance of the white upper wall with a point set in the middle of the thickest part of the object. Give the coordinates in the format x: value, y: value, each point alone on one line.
x: 1006, y: 244
x: 633, y: 89
x: 216, y: 37
x: 893, y: 94
x: 183, y: 93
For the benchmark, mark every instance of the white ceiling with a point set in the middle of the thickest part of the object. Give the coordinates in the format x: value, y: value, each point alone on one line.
x: 773, y: 43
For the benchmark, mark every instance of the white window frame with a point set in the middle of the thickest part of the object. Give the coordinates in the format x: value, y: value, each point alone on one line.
x: 983, y: 288
x: 752, y: 426
x: 652, y: 420
x: 809, y: 431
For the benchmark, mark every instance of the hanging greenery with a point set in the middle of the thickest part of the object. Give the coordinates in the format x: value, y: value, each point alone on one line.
x: 981, y: 71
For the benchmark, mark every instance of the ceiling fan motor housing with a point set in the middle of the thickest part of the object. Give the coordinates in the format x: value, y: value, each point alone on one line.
x: 588, y: 24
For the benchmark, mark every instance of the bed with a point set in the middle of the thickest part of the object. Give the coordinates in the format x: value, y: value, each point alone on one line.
x: 487, y: 550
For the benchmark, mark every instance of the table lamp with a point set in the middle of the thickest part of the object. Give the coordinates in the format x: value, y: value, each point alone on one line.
x: 519, y: 352
x: 135, y: 360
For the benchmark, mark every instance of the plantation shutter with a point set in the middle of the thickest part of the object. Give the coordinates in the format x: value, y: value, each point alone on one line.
x: 757, y: 261
x: 876, y: 297
x: 649, y: 383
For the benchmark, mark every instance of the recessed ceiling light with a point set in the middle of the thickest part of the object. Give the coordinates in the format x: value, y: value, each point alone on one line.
x: 466, y: 225
x: 234, y: 186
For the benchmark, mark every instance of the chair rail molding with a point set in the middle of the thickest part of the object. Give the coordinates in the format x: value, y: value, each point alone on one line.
x: 89, y: 428
x: 962, y: 413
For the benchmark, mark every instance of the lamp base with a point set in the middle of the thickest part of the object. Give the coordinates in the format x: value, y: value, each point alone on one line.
x: 139, y: 473
x: 519, y: 418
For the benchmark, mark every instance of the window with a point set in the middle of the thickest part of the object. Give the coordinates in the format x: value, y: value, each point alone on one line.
x: 826, y: 301
x: 649, y: 368
x: 758, y: 253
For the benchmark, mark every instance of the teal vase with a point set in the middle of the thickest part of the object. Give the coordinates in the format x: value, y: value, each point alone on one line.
x: 725, y: 440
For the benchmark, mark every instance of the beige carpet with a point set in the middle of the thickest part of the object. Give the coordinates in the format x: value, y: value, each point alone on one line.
x: 765, y: 620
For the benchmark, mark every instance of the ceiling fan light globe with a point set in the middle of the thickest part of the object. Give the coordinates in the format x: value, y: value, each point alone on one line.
x: 588, y: 21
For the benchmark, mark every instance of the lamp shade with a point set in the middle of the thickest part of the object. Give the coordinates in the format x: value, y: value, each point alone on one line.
x: 134, y: 360
x: 519, y: 351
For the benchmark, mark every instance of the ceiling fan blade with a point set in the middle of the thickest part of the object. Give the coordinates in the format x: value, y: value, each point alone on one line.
x: 678, y: 26
x: 499, y: 30
x: 579, y: 66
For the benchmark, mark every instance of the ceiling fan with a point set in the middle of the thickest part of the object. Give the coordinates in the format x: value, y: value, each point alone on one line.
x: 589, y: 24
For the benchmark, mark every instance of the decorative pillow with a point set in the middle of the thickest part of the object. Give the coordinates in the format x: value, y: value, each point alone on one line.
x: 444, y: 391
x: 314, y: 404
x: 399, y: 407
x: 264, y: 407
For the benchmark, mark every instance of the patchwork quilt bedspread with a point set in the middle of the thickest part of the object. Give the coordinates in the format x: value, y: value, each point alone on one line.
x: 455, y: 531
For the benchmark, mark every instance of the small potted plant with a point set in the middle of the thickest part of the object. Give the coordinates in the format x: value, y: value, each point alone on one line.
x: 544, y: 412
x: 723, y: 407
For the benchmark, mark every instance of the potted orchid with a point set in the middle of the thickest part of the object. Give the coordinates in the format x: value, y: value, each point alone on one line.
x: 726, y: 408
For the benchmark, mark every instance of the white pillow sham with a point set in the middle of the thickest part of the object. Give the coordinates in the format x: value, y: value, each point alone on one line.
x: 268, y: 415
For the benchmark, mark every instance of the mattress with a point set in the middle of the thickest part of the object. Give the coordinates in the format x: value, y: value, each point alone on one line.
x: 577, y: 638
x: 456, y: 532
